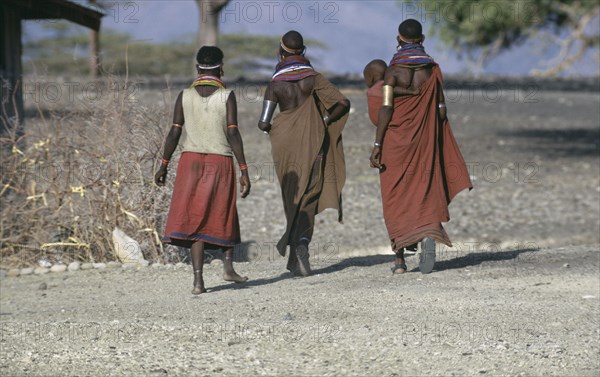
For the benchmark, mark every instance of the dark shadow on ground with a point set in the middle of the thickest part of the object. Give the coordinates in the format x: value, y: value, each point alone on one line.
x: 366, y: 261
x: 251, y: 283
x: 474, y: 259
x: 577, y: 142
x: 470, y: 259
x: 345, y: 263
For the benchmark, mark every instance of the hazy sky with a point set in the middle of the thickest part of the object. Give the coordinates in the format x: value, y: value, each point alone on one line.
x: 354, y: 31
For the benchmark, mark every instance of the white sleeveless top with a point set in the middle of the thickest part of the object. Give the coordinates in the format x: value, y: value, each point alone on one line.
x: 205, y: 122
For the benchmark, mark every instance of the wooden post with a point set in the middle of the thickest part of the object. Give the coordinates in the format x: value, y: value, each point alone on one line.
x: 94, y: 53
x: 11, y: 93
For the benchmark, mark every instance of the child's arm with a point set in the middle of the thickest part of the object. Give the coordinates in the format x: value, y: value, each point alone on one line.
x: 398, y: 91
x: 171, y: 142
x: 237, y: 145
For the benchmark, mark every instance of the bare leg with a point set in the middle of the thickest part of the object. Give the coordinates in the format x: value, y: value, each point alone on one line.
x: 399, y: 263
x: 198, y: 265
x: 229, y: 273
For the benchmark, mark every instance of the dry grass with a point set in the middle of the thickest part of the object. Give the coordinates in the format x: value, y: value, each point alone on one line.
x: 84, y: 164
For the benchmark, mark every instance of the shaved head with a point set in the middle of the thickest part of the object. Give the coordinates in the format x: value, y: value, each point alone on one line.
x: 374, y: 71
x: 411, y: 29
x: 293, y: 40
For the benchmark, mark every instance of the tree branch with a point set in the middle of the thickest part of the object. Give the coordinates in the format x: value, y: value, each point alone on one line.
x: 564, y: 59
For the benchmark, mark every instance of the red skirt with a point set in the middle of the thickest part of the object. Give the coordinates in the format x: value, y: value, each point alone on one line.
x: 203, y: 207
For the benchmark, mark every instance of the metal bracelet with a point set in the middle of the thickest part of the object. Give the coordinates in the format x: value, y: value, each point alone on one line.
x: 388, y: 95
x: 441, y: 105
x: 326, y: 119
x: 267, y: 111
x: 376, y: 144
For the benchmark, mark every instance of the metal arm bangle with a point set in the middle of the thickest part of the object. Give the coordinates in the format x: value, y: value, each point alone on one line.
x: 267, y: 111
x: 388, y: 95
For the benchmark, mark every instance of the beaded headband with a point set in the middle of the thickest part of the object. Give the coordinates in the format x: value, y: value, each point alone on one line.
x: 408, y: 40
x: 210, y: 67
x: 291, y: 50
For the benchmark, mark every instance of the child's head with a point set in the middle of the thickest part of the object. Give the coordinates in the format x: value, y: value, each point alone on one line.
x: 410, y: 31
x: 210, y: 60
x: 374, y: 71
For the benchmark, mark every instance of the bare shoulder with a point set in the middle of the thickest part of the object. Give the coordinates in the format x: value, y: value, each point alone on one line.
x: 396, y: 75
x: 270, y: 93
x: 307, y: 84
x: 276, y: 87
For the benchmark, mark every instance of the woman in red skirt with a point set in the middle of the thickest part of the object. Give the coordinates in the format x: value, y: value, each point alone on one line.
x: 203, y: 207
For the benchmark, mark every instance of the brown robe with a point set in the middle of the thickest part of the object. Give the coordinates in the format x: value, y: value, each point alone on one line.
x: 297, y: 136
x: 424, y: 169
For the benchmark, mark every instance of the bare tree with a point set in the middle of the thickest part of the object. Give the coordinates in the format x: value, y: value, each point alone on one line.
x: 582, y: 37
x: 570, y: 25
x: 208, y: 31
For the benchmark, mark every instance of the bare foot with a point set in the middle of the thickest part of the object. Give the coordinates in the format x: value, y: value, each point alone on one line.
x: 233, y: 276
x: 198, y: 286
x: 399, y: 268
x: 399, y: 263
x: 198, y: 290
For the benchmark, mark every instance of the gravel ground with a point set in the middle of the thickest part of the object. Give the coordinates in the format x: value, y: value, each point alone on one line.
x: 507, y: 313
x: 535, y: 166
x: 517, y: 295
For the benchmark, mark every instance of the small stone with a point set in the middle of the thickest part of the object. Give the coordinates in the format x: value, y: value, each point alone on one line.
x: 566, y: 265
x: 180, y: 265
x: 44, y: 263
x: 58, y: 268
x: 13, y: 273
x: 157, y: 265
x: 144, y: 263
x: 126, y: 248
x: 113, y: 264
x: 99, y: 266
x: 43, y: 286
x: 73, y: 266
x: 41, y: 270
x: 26, y: 271
x: 87, y: 266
